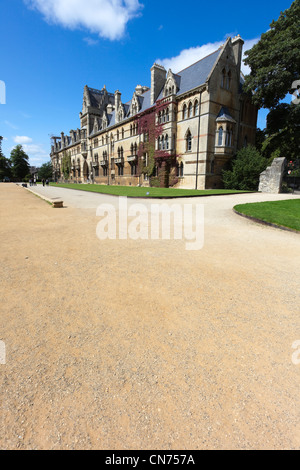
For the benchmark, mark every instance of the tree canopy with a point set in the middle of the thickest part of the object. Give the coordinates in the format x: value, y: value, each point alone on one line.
x: 45, y: 171
x: 275, y: 60
x: 20, y: 162
x: 5, y: 165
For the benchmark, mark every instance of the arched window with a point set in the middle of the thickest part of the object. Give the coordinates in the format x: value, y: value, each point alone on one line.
x: 190, y: 110
x: 163, y: 143
x: 220, y: 136
x: 179, y: 170
x: 223, y: 78
x: 184, y: 112
x: 167, y: 142
x: 131, y: 129
x: 188, y: 142
x: 118, y: 135
x: 158, y: 144
x: 229, y: 138
x: 122, y: 133
x: 228, y: 80
x: 167, y: 115
x: 196, y: 108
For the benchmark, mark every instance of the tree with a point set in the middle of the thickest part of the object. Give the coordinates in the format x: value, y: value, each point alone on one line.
x: 275, y: 60
x: 5, y: 166
x: 245, y: 170
x: 46, y: 171
x: 66, y: 164
x: 282, y: 132
x: 20, y: 164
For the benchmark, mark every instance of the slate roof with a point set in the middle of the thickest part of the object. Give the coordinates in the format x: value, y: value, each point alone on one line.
x: 194, y: 75
x: 187, y: 79
x: 224, y: 115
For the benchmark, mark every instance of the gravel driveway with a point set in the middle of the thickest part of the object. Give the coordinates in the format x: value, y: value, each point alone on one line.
x: 141, y: 344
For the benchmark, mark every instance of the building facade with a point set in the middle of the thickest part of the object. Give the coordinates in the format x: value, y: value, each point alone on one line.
x: 182, y: 131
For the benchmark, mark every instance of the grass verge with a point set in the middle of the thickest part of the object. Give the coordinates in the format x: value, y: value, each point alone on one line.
x: 133, y: 191
x: 280, y: 213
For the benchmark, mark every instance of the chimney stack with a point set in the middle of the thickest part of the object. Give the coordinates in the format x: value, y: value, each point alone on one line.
x: 158, y: 79
x: 237, y: 45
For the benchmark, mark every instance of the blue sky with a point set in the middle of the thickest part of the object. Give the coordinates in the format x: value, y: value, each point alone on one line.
x: 50, y: 49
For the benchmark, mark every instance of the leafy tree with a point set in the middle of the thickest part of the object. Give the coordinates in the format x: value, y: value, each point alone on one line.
x: 245, y: 170
x: 20, y: 164
x: 282, y: 132
x: 5, y: 166
x: 66, y: 164
x: 275, y: 59
x: 46, y: 171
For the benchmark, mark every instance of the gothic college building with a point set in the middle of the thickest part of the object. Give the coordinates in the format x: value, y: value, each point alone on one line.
x: 180, y: 132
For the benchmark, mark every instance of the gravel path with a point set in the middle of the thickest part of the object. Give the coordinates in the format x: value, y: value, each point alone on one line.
x: 123, y: 344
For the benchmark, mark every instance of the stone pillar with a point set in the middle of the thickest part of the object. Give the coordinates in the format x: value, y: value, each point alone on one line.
x: 271, y: 179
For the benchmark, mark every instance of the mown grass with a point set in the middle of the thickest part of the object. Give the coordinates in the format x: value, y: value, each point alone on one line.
x: 281, y: 213
x: 133, y: 191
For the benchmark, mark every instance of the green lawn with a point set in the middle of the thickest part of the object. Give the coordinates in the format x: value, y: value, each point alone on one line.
x: 281, y: 213
x: 133, y: 191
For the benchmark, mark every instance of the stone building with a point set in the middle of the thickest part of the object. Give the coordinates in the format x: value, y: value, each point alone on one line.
x: 201, y: 118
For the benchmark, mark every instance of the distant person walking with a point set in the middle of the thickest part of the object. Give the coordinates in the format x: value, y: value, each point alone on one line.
x: 47, y: 182
x: 43, y: 181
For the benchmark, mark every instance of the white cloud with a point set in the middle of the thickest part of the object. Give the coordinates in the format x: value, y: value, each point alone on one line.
x: 108, y: 18
x: 22, y: 139
x: 9, y: 124
x: 91, y: 41
x: 189, y: 56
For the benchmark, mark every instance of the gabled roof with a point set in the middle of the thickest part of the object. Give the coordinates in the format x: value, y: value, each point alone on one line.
x: 194, y: 75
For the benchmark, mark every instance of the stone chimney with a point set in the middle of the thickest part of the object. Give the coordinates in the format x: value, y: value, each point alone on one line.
x: 117, y: 103
x: 158, y: 79
x: 62, y: 140
x: 237, y: 46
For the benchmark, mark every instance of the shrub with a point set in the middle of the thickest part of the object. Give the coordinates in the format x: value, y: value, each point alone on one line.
x: 245, y: 170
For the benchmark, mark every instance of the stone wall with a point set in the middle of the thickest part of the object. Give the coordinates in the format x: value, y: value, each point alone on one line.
x: 271, y: 179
